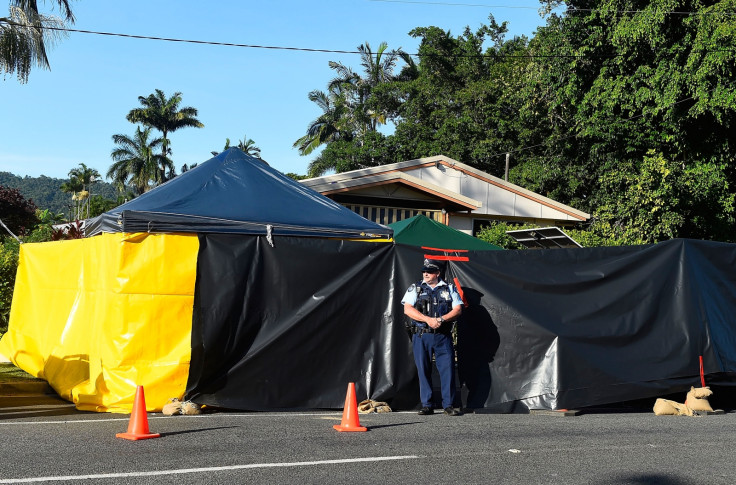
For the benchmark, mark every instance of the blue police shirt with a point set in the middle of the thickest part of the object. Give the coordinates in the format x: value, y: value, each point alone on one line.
x: 410, y: 296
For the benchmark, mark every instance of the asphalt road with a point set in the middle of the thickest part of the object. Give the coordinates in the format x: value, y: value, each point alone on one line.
x: 45, y: 440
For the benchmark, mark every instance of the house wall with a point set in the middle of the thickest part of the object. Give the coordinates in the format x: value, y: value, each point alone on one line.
x: 464, y: 224
x: 508, y: 201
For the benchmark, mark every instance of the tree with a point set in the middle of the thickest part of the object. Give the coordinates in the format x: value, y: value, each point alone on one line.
x: 44, y: 229
x: 73, y: 186
x: 136, y: 163
x: 247, y: 145
x: 86, y: 175
x: 349, y: 111
x: 333, y: 124
x: 378, y: 68
x: 25, y: 34
x: 17, y: 213
x: 661, y: 199
x: 602, y: 107
x: 610, y: 84
x: 80, y: 182
x: 461, y: 99
x: 8, y: 270
x: 165, y: 115
x: 97, y: 204
x: 371, y: 150
x: 48, y: 217
x: 227, y: 147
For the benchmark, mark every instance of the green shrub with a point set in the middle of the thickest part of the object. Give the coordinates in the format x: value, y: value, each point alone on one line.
x: 589, y: 238
x: 495, y: 233
x: 8, y: 266
x: 9, y: 252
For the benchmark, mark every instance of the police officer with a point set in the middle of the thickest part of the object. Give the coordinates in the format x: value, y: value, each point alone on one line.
x: 432, y: 305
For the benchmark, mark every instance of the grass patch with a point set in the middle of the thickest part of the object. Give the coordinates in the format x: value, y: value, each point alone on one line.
x: 11, y: 373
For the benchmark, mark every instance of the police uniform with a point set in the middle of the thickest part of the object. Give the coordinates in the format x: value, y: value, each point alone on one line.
x: 433, y: 302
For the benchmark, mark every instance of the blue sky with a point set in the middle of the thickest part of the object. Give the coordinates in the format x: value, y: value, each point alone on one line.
x: 67, y: 115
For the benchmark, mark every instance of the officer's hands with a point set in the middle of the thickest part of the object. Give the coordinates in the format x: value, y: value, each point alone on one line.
x: 432, y: 322
x: 415, y: 314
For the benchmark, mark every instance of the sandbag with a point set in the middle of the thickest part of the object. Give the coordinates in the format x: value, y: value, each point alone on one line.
x: 371, y: 406
x: 697, y: 399
x: 665, y: 407
x: 172, y: 407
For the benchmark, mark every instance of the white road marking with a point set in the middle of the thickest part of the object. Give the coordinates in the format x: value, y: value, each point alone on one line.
x: 206, y: 469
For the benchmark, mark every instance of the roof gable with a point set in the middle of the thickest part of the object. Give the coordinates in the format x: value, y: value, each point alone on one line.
x: 329, y: 187
x: 490, y: 194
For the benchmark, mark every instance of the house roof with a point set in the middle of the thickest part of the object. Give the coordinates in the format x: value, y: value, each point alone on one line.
x: 415, y: 174
x: 334, y: 185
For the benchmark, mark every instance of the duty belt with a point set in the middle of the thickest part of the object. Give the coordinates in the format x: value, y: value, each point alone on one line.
x: 422, y: 330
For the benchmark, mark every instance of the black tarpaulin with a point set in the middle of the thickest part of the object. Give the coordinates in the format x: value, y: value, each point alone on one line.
x: 289, y: 326
x: 236, y: 193
x: 580, y: 327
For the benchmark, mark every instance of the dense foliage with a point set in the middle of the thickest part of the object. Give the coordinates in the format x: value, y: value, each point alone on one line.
x: 46, y: 192
x: 623, y: 109
x: 8, y: 268
x: 495, y: 233
x: 27, y: 224
x: 16, y: 212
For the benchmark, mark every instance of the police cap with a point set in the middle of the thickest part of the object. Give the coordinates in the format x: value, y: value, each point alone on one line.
x: 431, y: 266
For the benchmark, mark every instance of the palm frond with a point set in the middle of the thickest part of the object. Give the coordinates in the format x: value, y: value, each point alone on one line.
x: 32, y: 6
x: 24, y: 38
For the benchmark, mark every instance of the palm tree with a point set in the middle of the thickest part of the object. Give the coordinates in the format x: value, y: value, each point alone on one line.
x: 166, y: 116
x: 136, y: 162
x: 345, y: 107
x: 249, y: 147
x: 335, y: 122
x: 86, y: 177
x: 74, y: 186
x: 227, y: 146
x: 85, y: 174
x: 319, y: 166
x: 378, y: 69
x: 410, y: 71
x: 25, y: 33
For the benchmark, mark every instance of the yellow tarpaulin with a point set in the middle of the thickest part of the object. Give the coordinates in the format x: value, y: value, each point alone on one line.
x: 97, y: 317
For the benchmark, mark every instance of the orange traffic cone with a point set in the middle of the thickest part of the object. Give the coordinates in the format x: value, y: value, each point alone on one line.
x: 138, y: 424
x: 350, y: 421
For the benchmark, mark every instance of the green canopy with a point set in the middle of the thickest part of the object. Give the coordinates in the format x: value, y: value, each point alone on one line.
x: 423, y: 231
